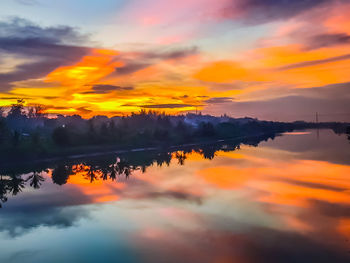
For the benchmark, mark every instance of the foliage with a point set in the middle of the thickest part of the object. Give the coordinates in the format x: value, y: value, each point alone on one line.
x: 60, y: 136
x: 27, y: 132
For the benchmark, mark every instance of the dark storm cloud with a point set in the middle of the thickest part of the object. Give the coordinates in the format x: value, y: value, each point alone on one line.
x: 219, y: 100
x: 314, y: 62
x: 326, y: 40
x: 48, y: 47
x: 104, y: 89
x: 258, y: 11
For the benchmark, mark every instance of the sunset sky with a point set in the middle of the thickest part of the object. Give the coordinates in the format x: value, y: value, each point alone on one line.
x: 272, y: 59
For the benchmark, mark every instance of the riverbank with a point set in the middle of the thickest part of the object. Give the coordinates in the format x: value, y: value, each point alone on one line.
x: 103, y: 150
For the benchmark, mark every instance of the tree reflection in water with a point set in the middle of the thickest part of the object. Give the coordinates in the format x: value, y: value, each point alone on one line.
x: 12, y: 182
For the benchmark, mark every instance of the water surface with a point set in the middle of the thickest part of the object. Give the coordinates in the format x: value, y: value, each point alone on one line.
x: 286, y: 200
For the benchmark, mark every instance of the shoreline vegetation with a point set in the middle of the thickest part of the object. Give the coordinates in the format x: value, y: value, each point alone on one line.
x: 102, y: 150
x: 27, y: 134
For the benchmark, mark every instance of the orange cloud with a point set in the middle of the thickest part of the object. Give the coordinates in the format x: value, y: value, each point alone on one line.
x: 222, y: 72
x: 89, y: 70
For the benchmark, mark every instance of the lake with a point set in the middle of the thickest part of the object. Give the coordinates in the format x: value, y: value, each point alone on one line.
x: 284, y: 199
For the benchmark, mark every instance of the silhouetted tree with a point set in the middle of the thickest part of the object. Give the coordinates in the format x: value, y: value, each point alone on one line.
x: 91, y: 174
x: 181, y: 157
x: 36, y: 111
x: 104, y: 132
x: 61, y: 174
x: 17, y: 110
x: 208, y: 152
x: 35, y: 180
x: 16, y: 184
x: 91, y: 130
x: 161, y: 134
x: 111, y: 127
x: 3, y: 130
x: 60, y: 136
x: 113, y: 174
x: 206, y: 129
x: 35, y: 137
x: 15, y: 138
x: 3, y: 190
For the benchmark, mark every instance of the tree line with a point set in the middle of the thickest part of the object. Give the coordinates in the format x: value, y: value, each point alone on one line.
x: 27, y: 132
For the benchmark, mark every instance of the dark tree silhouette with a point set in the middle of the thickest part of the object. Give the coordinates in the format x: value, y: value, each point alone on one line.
x: 208, y: 152
x: 61, y: 174
x: 16, y: 184
x: 113, y: 174
x: 3, y: 190
x: 91, y: 174
x: 15, y: 138
x: 17, y: 110
x: 206, y: 129
x: 60, y: 136
x: 35, y: 180
x: 181, y: 157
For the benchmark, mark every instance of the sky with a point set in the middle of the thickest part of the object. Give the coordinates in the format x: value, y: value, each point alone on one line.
x: 276, y: 59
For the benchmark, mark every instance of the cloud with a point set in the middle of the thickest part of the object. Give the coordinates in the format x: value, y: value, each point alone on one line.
x: 327, y: 40
x: 24, y: 29
x: 135, y: 61
x: 334, y: 210
x: 178, y: 195
x: 330, y: 101
x: 332, y: 91
x: 313, y: 185
x: 52, y: 208
x: 258, y: 12
x: 168, y: 106
x: 46, y: 47
x: 314, y: 62
x: 219, y: 100
x: 84, y: 110
x: 177, y: 53
x: 104, y: 89
x: 131, y: 67
x: 222, y: 72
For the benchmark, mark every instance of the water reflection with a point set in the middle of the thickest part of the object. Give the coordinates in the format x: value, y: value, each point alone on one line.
x: 12, y: 180
x: 284, y: 201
